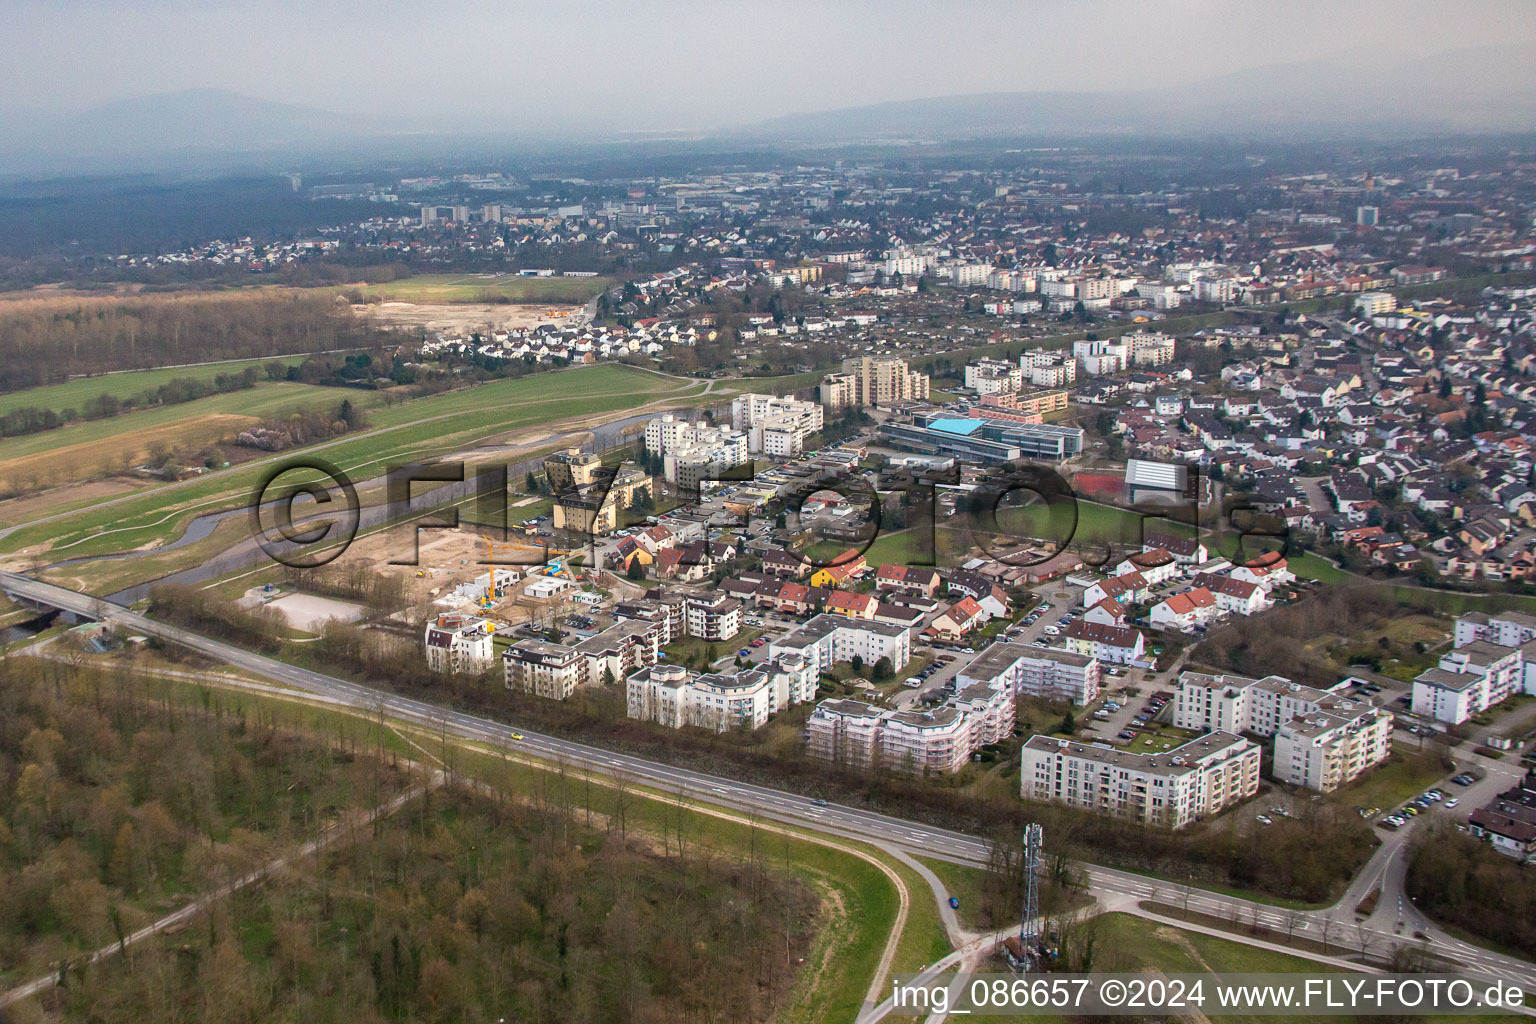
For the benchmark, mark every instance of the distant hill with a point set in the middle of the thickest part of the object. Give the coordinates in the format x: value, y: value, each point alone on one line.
x: 1481, y: 90
x: 1489, y: 89
x: 194, y: 125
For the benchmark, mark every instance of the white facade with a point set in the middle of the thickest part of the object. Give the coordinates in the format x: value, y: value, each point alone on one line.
x: 1469, y: 680
x: 828, y: 639
x: 1167, y: 790
x: 1322, y: 739
x: 672, y: 696
x: 775, y: 426
x: 1023, y: 670
x: 456, y: 644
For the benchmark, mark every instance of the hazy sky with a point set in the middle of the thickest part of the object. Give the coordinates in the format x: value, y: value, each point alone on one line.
x: 681, y: 63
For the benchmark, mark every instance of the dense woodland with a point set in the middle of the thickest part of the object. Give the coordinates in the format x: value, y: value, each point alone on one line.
x: 47, y: 341
x: 116, y: 807
x: 1462, y: 882
x: 119, y: 803
x: 469, y: 907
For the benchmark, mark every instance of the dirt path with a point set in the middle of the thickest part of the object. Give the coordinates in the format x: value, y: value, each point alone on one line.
x: 350, y: 828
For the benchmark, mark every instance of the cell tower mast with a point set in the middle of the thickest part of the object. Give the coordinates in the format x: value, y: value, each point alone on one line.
x: 1029, y: 927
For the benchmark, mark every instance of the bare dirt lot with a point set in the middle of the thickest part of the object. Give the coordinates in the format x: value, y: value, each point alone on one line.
x: 446, y: 558
x: 463, y: 316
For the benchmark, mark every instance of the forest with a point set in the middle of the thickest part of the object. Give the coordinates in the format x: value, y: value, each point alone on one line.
x: 474, y: 900
x: 1464, y: 883
x: 50, y: 340
x: 116, y: 807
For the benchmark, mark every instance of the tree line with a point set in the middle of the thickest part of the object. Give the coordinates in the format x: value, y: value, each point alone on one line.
x: 47, y: 341
x: 34, y: 420
x: 1463, y: 882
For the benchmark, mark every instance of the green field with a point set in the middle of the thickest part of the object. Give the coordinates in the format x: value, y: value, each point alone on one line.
x: 75, y: 393
x: 261, y: 400
x: 413, y: 430
x: 483, y: 288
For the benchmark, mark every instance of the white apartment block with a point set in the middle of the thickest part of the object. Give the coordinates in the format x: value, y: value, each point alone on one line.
x: 1166, y: 790
x: 455, y: 643
x: 1096, y: 358
x: 860, y: 735
x: 694, y: 452
x: 775, y: 426
x: 828, y: 639
x: 1322, y: 750
x: 993, y: 376
x: 554, y: 671
x: 1375, y: 303
x: 1507, y: 629
x: 675, y: 697
x: 1023, y: 670
x: 1469, y: 680
x: 1148, y: 348
x: 715, y: 616
x: 1322, y: 739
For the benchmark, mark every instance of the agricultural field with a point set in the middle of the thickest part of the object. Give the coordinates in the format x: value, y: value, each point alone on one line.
x: 127, y: 384
x: 94, y: 448
x: 424, y: 428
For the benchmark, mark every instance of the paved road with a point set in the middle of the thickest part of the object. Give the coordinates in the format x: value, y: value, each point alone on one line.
x: 772, y: 804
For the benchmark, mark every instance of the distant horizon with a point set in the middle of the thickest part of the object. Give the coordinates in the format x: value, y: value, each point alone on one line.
x: 674, y: 65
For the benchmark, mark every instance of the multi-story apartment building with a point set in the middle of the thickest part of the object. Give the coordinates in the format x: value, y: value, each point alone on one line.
x: 555, y: 671
x: 993, y: 376
x: 674, y: 697
x: 455, y: 643
x: 884, y: 380
x: 860, y: 735
x: 1166, y: 790
x: 828, y: 639
x: 571, y: 468
x: 593, y: 508
x: 1148, y: 348
x: 1507, y: 629
x: 544, y: 669
x: 1097, y: 358
x: 838, y: 391
x: 1324, y: 749
x: 694, y: 451
x: 1023, y: 670
x: 1322, y: 739
x: 1469, y: 680
x: 775, y: 426
x: 715, y: 616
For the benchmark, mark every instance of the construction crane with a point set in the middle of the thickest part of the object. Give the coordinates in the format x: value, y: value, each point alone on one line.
x: 1029, y: 926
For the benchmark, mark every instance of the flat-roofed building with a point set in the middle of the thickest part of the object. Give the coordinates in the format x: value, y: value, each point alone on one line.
x: 1322, y: 739
x: 1166, y: 790
x: 1023, y: 670
x: 1469, y: 680
x: 828, y: 639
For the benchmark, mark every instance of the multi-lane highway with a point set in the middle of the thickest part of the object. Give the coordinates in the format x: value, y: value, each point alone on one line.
x: 771, y: 804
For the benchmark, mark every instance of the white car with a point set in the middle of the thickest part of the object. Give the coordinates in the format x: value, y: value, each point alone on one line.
x: 1452, y: 802
x: 1052, y: 630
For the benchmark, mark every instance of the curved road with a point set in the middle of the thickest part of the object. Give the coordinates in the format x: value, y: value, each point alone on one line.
x: 839, y: 820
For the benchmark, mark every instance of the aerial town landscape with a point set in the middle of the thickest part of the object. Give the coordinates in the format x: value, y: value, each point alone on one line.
x: 818, y: 570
